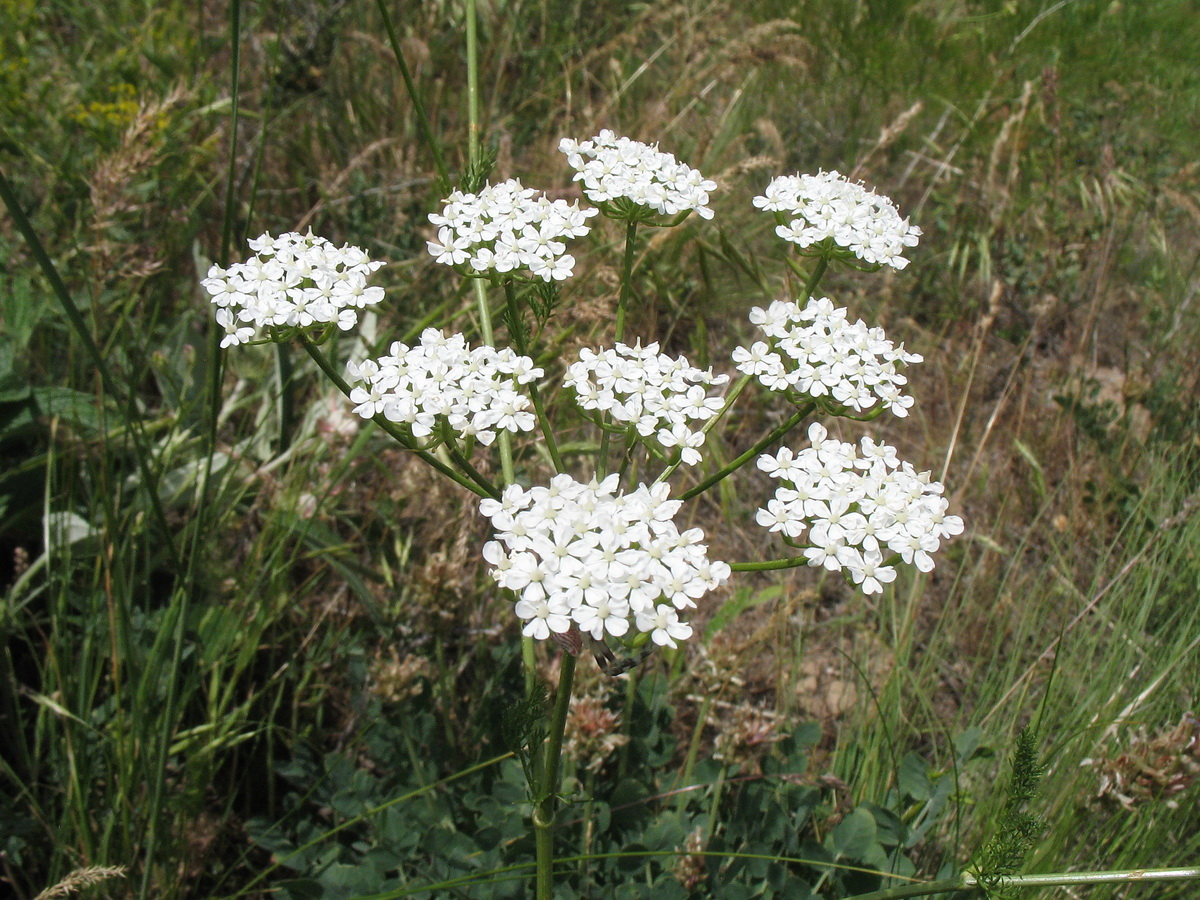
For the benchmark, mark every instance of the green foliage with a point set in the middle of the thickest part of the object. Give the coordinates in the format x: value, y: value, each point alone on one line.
x: 368, y: 819
x: 150, y: 707
x: 522, y: 731
x: 1018, y: 829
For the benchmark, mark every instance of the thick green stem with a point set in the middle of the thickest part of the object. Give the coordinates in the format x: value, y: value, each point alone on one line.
x: 472, y: 85
x: 482, y: 487
x: 544, y: 812
x: 790, y: 562
x: 776, y: 434
x: 815, y: 277
x: 626, y: 277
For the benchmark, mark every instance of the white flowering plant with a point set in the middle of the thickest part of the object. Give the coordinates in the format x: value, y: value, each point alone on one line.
x: 590, y: 545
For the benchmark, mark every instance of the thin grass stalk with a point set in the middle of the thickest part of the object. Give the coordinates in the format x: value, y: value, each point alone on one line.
x: 968, y: 881
x: 181, y: 599
x: 79, y: 325
x: 423, y: 126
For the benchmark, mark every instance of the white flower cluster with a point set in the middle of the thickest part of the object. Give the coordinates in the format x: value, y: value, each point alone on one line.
x: 293, y: 281
x: 611, y: 167
x: 475, y: 390
x: 660, y: 394
x: 817, y: 352
x: 508, y: 228
x: 828, y: 205
x: 856, y: 505
x: 583, y: 554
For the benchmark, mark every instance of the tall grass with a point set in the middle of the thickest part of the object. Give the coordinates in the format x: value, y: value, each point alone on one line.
x: 150, y: 696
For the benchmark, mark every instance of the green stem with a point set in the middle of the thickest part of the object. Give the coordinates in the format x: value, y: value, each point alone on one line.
x: 622, y: 303
x: 418, y: 106
x: 631, y: 689
x: 776, y: 434
x: 482, y: 487
x: 510, y: 296
x: 968, y: 881
x: 811, y: 284
x: 529, y: 659
x: 589, y: 830
x: 547, y: 431
x: 626, y: 277
x: 472, y: 85
x: 1057, y: 879
x: 544, y: 811
x: 790, y: 562
x: 689, y: 763
x: 711, y: 423
x: 457, y: 455
x: 504, y: 441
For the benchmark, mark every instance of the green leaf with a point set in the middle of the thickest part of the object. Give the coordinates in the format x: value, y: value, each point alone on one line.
x: 913, y: 778
x: 966, y: 745
x: 854, y: 836
x: 74, y: 406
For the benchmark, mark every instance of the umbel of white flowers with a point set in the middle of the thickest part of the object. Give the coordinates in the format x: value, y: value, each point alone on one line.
x: 615, y: 168
x: 855, y: 506
x: 585, y: 555
x: 662, y: 397
x: 589, y: 556
x: 293, y: 281
x: 829, y: 207
x: 817, y: 353
x: 475, y: 391
x: 508, y: 229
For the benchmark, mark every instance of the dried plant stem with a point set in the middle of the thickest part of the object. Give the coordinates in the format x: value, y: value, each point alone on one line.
x: 80, y: 879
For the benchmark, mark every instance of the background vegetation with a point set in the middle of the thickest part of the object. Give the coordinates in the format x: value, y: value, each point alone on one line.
x: 232, y: 623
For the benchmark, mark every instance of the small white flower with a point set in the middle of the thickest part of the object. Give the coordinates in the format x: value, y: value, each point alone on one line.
x: 664, y: 626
